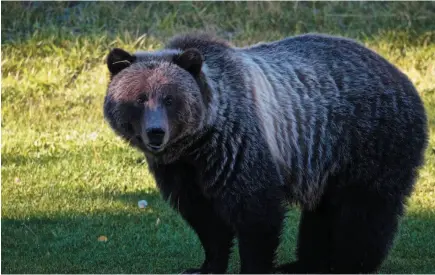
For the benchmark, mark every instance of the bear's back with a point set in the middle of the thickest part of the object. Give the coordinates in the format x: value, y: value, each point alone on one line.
x: 324, y: 102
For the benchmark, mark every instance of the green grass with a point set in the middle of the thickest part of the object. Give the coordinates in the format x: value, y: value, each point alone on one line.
x: 66, y: 178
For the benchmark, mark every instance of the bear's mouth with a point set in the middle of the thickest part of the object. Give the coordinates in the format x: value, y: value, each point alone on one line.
x: 152, y: 148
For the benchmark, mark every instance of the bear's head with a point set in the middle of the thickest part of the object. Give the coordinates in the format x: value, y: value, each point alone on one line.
x: 155, y: 99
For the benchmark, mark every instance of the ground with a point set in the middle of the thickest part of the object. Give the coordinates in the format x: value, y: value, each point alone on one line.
x: 66, y: 178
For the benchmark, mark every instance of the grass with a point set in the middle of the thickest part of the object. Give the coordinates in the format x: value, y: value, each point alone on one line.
x: 66, y: 178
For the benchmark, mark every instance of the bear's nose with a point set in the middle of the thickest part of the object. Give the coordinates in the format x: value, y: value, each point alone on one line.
x: 155, y: 136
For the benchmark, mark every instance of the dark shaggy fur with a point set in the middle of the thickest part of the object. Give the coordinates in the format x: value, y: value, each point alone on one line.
x: 232, y: 134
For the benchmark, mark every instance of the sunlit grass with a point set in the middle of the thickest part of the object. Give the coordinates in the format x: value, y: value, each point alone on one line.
x: 67, y: 179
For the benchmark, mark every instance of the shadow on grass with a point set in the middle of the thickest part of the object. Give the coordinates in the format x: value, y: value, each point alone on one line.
x: 157, y: 240
x: 154, y: 240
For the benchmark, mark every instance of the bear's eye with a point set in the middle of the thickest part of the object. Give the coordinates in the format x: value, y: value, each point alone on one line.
x: 167, y: 100
x: 142, y: 99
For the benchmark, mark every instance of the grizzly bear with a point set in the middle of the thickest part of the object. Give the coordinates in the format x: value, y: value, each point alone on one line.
x: 233, y: 135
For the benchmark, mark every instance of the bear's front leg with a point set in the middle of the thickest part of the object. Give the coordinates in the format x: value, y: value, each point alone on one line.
x: 258, y: 219
x: 216, y: 236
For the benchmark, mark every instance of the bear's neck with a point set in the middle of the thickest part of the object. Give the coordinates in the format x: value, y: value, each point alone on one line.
x: 185, y: 148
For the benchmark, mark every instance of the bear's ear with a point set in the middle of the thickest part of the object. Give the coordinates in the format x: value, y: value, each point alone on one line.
x: 190, y: 60
x: 118, y: 60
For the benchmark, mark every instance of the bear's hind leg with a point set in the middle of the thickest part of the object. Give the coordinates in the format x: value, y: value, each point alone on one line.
x: 350, y: 232
x: 363, y: 228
